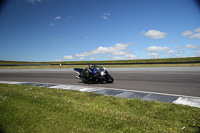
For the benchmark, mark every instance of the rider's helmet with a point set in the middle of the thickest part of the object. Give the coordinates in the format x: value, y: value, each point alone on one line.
x: 90, y: 66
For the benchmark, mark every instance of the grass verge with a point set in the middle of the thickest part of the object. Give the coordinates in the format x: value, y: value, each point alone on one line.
x: 26, y: 108
x: 163, y: 60
x: 107, y: 66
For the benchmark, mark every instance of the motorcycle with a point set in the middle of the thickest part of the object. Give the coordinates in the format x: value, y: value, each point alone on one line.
x: 94, y: 75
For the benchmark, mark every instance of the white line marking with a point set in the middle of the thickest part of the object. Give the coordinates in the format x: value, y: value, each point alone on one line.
x: 194, y: 102
x: 152, y: 92
x: 184, y: 100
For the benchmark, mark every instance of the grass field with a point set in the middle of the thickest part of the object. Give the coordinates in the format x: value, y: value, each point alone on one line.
x: 177, y: 62
x: 166, y: 60
x: 107, y: 66
x: 26, y: 108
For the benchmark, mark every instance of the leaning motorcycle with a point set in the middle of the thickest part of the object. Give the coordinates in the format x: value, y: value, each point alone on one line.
x: 97, y: 74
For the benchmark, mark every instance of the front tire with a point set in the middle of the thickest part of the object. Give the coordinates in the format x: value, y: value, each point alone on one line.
x: 110, y: 79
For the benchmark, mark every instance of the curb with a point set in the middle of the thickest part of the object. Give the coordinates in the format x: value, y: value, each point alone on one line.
x: 146, y: 96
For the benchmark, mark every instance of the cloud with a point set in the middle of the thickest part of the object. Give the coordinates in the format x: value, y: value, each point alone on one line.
x: 154, y: 34
x: 191, y: 35
x: 92, y: 58
x: 115, y: 50
x: 127, y: 56
x: 130, y: 56
x: 181, y: 51
x: 119, y: 53
x: 170, y: 52
x: 34, y: 1
x: 187, y: 33
x: 195, y: 36
x: 58, y: 17
x: 69, y: 18
x: 197, y: 30
x: 157, y: 49
x: 51, y: 24
x: 191, y: 46
x: 154, y: 49
x: 81, y: 58
x: 57, y: 60
x: 115, y: 58
x: 105, y: 15
x: 153, y: 55
x: 68, y: 57
x: 177, y: 47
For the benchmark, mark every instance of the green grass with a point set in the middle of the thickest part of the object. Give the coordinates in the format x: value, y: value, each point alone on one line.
x: 82, y: 64
x: 107, y: 66
x: 189, y: 59
x: 26, y: 108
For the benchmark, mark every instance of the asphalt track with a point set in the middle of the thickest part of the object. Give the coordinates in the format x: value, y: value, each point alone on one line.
x: 178, y: 81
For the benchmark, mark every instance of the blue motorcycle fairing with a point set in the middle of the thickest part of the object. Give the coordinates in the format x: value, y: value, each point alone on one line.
x: 95, y: 71
x: 78, y: 70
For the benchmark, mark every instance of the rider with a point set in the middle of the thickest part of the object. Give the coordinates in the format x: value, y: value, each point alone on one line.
x: 92, y: 71
x: 88, y: 72
x: 90, y: 68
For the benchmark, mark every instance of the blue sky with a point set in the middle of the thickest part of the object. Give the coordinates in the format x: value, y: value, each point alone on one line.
x: 72, y: 30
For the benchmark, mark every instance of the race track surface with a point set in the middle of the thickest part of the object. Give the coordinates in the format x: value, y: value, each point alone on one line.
x: 178, y: 81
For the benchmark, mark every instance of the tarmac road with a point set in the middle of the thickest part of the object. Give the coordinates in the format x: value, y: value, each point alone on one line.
x: 178, y: 81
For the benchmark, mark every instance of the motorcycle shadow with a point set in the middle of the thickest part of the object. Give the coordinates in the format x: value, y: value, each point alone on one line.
x: 96, y: 82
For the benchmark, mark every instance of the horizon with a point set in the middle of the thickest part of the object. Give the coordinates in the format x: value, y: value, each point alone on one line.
x: 97, y: 60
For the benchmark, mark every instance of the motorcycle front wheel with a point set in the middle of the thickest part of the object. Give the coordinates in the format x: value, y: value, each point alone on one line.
x: 109, y: 79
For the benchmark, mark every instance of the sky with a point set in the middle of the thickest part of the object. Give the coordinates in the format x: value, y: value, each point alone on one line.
x: 87, y: 30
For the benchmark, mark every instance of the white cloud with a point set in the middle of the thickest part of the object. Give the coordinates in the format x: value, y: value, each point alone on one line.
x: 191, y: 46
x: 177, y: 47
x: 197, y: 30
x: 69, y: 18
x: 154, y: 34
x: 170, y: 52
x: 33, y: 1
x: 92, y: 58
x: 118, y: 50
x: 115, y: 58
x: 115, y: 50
x: 58, y: 17
x: 191, y: 35
x: 181, y: 51
x: 52, y: 24
x: 195, y: 36
x: 57, y: 60
x: 157, y: 49
x: 81, y: 58
x: 84, y: 54
x: 187, y: 33
x: 153, y: 55
x: 130, y: 56
x: 105, y: 15
x: 68, y: 57
x: 119, y: 53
